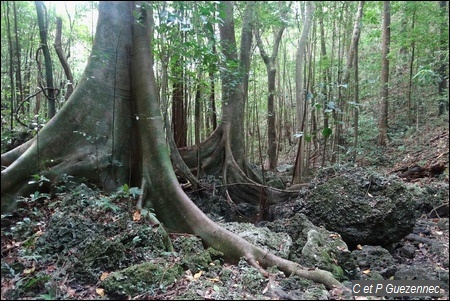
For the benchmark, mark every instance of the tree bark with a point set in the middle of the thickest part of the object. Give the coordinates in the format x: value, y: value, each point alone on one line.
x: 49, y: 91
x: 300, y: 93
x: 383, y: 119
x: 443, y: 82
x: 62, y: 59
x: 270, y: 62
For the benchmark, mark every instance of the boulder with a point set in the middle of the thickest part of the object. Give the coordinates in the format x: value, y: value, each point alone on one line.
x: 316, y: 247
x: 375, y: 262
x: 364, y: 208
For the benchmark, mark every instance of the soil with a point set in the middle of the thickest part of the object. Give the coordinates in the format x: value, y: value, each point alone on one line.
x: 82, y: 244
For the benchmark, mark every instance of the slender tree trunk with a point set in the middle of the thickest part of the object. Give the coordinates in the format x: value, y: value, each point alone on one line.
x: 443, y: 82
x: 356, y: 109
x: 62, y: 58
x: 11, y: 68
x: 326, y: 79
x: 383, y: 119
x: 179, y: 114
x: 18, y: 58
x: 212, y: 111
x: 49, y: 88
x: 352, y: 61
x: 411, y: 71
x: 300, y: 94
x: 270, y: 62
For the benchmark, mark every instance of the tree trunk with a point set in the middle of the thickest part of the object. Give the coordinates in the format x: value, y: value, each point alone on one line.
x: 138, y: 110
x: 443, y: 82
x: 300, y: 93
x: 411, y: 71
x: 11, y: 68
x: 19, y: 65
x: 62, y: 58
x: 270, y: 62
x: 383, y: 119
x: 49, y: 88
x: 352, y: 61
x: 179, y: 118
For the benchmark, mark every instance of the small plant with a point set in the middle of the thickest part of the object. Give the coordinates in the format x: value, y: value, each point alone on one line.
x: 125, y: 191
x: 106, y: 204
x: 38, y: 179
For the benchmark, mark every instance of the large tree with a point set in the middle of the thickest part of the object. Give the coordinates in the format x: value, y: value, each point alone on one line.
x: 110, y: 132
x: 270, y: 62
x: 223, y: 152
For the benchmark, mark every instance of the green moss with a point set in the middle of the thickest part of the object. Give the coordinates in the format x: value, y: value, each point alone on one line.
x: 338, y: 273
x: 141, y: 278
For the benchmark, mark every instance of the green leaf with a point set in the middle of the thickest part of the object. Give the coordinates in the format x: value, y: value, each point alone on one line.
x: 326, y: 132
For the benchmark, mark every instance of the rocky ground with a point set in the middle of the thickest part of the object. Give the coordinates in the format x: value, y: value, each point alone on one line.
x: 83, y: 244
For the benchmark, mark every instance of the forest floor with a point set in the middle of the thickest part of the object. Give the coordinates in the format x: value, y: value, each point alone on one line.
x: 48, y: 251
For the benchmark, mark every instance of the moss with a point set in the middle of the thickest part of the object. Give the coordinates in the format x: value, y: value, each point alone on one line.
x: 141, y: 278
x: 338, y: 273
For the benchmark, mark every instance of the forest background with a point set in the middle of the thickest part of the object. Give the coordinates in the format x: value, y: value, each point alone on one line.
x: 341, y: 105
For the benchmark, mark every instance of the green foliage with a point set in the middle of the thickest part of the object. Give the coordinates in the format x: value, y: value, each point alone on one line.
x: 38, y: 179
x: 125, y: 191
x: 326, y: 132
x: 426, y: 76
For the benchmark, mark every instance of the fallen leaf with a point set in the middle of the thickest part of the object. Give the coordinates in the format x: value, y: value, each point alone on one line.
x: 189, y: 275
x: 359, y: 247
x: 104, y: 275
x: 100, y: 292
x: 197, y: 275
x: 216, y: 279
x: 137, y: 216
x: 29, y: 271
x: 366, y: 271
x: 39, y: 233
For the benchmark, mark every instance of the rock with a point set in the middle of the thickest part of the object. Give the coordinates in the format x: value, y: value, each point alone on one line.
x: 285, y: 168
x: 273, y: 180
x: 367, y: 212
x: 408, y: 251
x: 376, y: 260
x: 278, y: 243
x: 141, y: 278
x: 276, y: 183
x: 423, y: 272
x: 318, y: 292
x: 316, y: 247
x: 247, y: 210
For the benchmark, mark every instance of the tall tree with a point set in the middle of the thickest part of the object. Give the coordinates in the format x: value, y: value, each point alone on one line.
x: 300, y: 93
x: 62, y: 58
x: 223, y: 152
x: 270, y: 62
x: 18, y: 57
x: 443, y: 59
x: 354, y: 57
x: 383, y: 118
x: 136, y: 141
x: 49, y: 88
